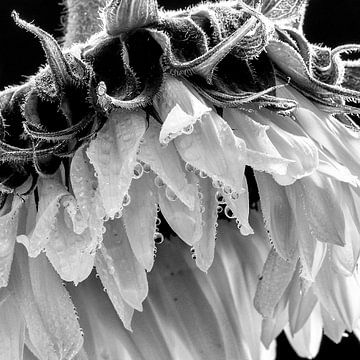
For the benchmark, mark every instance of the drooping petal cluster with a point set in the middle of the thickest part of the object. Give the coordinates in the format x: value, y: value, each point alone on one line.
x: 223, y: 206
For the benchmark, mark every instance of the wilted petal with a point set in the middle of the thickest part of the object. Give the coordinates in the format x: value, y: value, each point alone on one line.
x: 8, y: 231
x: 205, y: 247
x: 12, y: 329
x: 143, y: 207
x: 306, y: 342
x: 46, y: 307
x: 167, y: 164
x: 213, y: 148
x: 113, y: 155
x: 118, y: 268
x: 179, y: 107
x: 278, y: 216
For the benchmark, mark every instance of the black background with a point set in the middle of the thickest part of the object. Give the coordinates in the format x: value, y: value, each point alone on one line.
x: 328, y: 22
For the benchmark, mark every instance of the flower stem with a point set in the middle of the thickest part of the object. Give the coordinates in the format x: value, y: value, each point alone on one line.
x: 83, y: 20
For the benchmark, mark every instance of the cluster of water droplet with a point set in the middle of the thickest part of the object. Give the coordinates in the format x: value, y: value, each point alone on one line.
x: 187, y: 130
x: 158, y: 236
x: 190, y: 168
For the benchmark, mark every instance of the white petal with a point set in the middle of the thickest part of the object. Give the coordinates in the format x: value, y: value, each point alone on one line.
x: 307, y: 341
x: 118, y: 267
x: 292, y: 144
x: 278, y: 216
x: 262, y: 155
x: 213, y: 148
x: 186, y: 223
x: 340, y: 141
x: 12, y: 329
x: 312, y: 200
x: 240, y: 208
x: 48, y: 311
x: 51, y: 192
x: 68, y: 252
x: 179, y: 107
x: 8, y: 231
x: 276, y: 276
x: 140, y: 218
x: 113, y: 155
x: 167, y: 164
x: 338, y: 294
x: 205, y: 247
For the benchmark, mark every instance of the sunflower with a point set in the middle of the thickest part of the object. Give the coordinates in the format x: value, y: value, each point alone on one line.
x: 182, y: 185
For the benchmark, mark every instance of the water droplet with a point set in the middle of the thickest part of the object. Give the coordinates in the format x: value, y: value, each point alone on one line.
x: 164, y: 145
x: 188, y: 129
x: 159, y: 182
x: 118, y: 215
x: 126, y: 200
x: 217, y: 184
x: 158, y: 238
x: 220, y: 198
x: 157, y: 221
x: 103, y: 229
x: 227, y: 190
x: 219, y: 209
x: 228, y: 212
x: 202, y: 174
x: 189, y: 167
x: 146, y: 168
x: 170, y: 194
x: 235, y: 195
x: 192, y: 250
x: 138, y: 171
x: 193, y: 256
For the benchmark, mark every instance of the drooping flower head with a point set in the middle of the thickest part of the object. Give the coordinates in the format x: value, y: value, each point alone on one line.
x: 206, y: 152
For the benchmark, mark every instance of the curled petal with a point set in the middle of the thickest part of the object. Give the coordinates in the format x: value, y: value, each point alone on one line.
x: 213, y: 148
x: 167, y: 164
x: 180, y: 108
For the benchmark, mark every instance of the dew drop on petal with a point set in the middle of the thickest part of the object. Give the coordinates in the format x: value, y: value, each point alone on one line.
x: 227, y: 190
x: 235, y: 195
x: 188, y: 129
x: 228, y: 212
x: 138, y: 171
x: 220, y: 198
x: 146, y: 168
x: 158, y: 182
x: 158, y: 239
x: 158, y: 221
x: 189, y: 167
x: 170, y: 194
x: 126, y: 200
x: 217, y: 184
